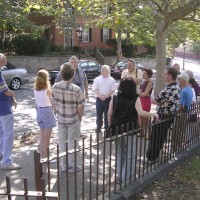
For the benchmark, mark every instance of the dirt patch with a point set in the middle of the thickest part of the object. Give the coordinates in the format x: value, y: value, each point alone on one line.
x: 181, y: 184
x: 25, y: 139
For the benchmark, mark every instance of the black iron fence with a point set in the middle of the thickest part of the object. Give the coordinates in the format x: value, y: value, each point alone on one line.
x: 106, y: 165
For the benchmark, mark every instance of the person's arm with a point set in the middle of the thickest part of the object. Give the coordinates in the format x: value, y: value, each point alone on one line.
x: 49, y: 94
x: 138, y: 107
x: 113, y: 88
x: 110, y: 111
x: 86, y: 90
x: 123, y: 74
x: 181, y: 108
x: 99, y: 95
x: 147, y: 90
x: 139, y: 76
x: 80, y: 110
x: 53, y: 100
x: 14, y: 102
x: 109, y: 94
x: 153, y: 101
x: 182, y: 102
x: 9, y: 93
x: 58, y: 77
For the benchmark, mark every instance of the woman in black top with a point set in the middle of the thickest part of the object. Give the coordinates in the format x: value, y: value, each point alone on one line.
x: 124, y: 108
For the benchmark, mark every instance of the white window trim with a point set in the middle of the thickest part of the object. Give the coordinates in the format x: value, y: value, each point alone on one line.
x: 105, y: 36
x: 86, y: 32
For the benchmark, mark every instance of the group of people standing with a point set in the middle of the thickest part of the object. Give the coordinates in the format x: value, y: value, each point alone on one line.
x: 65, y: 101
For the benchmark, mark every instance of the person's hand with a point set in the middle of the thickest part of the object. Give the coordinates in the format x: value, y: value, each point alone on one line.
x: 103, y: 98
x: 14, y: 102
x: 156, y: 118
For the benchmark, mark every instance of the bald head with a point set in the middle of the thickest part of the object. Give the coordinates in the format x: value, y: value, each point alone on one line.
x: 3, y: 60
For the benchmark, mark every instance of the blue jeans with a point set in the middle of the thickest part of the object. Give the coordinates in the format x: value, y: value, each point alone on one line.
x: 126, y: 150
x: 102, y: 109
x: 6, y: 138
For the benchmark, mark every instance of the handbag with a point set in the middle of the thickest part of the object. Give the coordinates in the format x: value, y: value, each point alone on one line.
x: 109, y: 132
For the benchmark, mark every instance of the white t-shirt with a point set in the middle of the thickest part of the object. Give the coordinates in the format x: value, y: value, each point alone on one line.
x: 104, y: 85
x: 133, y: 75
x: 42, y: 99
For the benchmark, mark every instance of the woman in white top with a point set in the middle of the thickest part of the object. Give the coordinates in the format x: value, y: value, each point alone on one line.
x: 45, y: 115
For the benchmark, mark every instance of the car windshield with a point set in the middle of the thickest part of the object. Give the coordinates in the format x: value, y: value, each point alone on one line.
x: 10, y: 66
x: 121, y: 64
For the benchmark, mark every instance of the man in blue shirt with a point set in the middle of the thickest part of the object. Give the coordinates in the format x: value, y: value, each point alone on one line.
x: 6, y: 122
x: 186, y: 93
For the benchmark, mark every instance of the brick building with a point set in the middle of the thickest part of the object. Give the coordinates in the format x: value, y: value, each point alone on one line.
x: 68, y: 37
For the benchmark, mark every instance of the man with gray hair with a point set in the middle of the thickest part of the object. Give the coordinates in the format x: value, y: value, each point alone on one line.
x: 68, y: 101
x: 103, y: 86
x: 79, y: 79
x: 7, y: 99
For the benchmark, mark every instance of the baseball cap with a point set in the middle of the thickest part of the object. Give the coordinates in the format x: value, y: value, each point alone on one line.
x: 184, y: 76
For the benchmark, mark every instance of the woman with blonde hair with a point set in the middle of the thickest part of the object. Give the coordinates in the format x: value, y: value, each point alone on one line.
x: 45, y: 115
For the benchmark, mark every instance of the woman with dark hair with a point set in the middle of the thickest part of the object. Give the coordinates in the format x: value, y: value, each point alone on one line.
x: 124, y: 109
x: 145, y: 96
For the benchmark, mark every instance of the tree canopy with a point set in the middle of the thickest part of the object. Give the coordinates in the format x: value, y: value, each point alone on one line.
x: 152, y: 22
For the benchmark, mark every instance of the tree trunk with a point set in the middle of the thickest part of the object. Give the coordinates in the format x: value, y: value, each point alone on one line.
x: 119, y: 46
x: 160, y: 55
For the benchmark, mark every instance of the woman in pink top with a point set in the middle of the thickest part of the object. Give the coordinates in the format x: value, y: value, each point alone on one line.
x: 145, y: 96
x: 45, y: 115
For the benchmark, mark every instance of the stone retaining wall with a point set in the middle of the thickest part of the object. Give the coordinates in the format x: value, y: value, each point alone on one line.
x: 33, y: 63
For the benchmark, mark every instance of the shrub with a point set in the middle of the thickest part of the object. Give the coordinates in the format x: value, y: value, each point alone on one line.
x: 56, y: 48
x: 128, y: 49
x: 26, y: 44
x: 196, y: 48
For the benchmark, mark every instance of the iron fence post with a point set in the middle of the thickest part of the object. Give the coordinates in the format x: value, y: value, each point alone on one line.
x: 38, y: 173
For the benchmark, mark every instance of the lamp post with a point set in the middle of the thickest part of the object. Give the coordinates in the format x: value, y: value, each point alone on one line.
x: 184, y: 46
x: 79, y: 31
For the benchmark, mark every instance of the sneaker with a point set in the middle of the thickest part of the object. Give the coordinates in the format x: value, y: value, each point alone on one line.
x: 71, y: 169
x: 11, y: 167
x: 53, y: 161
x: 1, y: 157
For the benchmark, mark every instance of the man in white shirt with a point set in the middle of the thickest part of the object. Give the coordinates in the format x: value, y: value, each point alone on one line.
x: 103, y: 86
x: 133, y: 72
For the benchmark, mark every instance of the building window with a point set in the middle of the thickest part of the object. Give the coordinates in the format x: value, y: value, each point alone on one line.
x: 85, y: 35
x: 105, y: 34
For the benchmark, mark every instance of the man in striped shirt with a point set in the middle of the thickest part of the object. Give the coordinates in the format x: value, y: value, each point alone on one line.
x: 68, y: 101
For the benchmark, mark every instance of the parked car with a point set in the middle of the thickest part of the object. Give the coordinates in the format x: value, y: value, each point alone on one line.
x: 14, y: 76
x: 90, y: 67
x: 117, y: 69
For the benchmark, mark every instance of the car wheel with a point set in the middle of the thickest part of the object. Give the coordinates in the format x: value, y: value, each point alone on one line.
x: 15, y: 84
